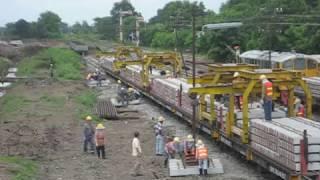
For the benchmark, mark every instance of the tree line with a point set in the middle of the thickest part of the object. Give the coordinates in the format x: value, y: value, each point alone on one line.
x: 281, y: 25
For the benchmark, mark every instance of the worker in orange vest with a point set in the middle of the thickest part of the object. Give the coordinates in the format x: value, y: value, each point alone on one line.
x: 267, y: 92
x: 300, y: 110
x: 202, y: 157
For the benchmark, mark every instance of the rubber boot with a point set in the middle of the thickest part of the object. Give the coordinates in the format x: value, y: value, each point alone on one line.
x: 200, y: 171
x: 205, y: 172
x: 166, y: 163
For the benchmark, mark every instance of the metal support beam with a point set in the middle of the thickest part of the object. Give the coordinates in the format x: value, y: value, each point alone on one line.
x: 308, y: 95
x: 230, y: 119
x: 291, y: 101
x: 245, y: 128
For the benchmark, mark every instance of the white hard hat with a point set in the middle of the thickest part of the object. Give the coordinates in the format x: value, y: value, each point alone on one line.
x: 236, y: 74
x: 161, y: 119
x: 199, y: 142
x: 176, y: 139
x: 119, y: 81
x: 190, y: 137
x: 130, y: 89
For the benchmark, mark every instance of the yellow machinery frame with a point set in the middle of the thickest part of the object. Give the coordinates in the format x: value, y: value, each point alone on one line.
x: 122, y: 51
x: 251, y: 84
x: 148, y: 60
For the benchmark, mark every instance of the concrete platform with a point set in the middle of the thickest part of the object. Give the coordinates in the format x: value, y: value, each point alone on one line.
x: 116, y: 103
x: 93, y: 83
x: 176, y: 168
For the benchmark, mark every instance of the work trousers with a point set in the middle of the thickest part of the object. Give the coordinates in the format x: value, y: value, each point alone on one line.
x: 267, y: 105
x: 101, y: 152
x: 88, y: 141
x: 167, y: 157
x: 203, y: 164
x: 159, y: 144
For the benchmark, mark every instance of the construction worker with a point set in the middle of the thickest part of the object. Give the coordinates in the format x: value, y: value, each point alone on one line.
x: 136, y: 152
x: 202, y: 157
x: 123, y: 95
x: 238, y: 96
x: 100, y: 140
x: 267, y: 93
x: 88, y: 133
x: 170, y: 149
x: 189, y: 146
x: 299, y: 107
x: 158, y: 128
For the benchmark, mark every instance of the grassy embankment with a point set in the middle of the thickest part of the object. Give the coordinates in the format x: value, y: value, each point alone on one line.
x: 20, y: 168
x: 67, y: 67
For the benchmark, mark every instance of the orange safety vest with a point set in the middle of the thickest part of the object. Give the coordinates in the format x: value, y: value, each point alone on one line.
x: 202, y: 153
x: 300, y: 112
x: 268, y: 88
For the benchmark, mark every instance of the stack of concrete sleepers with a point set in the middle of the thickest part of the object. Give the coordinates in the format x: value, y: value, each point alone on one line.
x: 280, y: 139
x: 314, y: 85
x: 132, y: 74
x: 107, y: 62
x: 169, y: 90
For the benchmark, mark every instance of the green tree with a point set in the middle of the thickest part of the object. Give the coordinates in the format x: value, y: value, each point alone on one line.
x: 49, y: 25
x: 22, y: 28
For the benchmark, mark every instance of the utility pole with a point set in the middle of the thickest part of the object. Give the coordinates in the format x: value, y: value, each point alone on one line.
x: 139, y: 19
x: 194, y: 102
x: 121, y: 15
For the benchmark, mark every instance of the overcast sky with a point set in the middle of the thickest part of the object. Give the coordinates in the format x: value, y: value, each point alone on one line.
x: 77, y: 10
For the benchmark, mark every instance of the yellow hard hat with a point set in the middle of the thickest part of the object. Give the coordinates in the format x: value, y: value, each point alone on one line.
x: 236, y: 74
x: 88, y: 118
x: 100, y: 126
x: 176, y: 139
x: 199, y: 142
x: 161, y: 119
x: 119, y: 81
x: 130, y: 89
x: 262, y: 77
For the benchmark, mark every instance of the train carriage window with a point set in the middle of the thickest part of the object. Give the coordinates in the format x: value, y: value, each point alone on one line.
x: 287, y: 64
x: 299, y: 64
x: 312, y: 64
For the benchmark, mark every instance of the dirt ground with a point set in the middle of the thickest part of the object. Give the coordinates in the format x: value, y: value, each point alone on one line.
x: 51, y: 134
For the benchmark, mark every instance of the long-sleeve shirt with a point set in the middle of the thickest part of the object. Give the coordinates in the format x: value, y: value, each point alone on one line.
x: 158, y: 129
x: 136, y: 148
x: 88, y: 130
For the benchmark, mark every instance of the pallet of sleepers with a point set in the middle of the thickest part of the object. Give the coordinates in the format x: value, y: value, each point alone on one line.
x: 281, y: 139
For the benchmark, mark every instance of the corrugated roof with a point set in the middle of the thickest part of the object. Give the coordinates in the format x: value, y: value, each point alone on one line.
x: 276, y: 56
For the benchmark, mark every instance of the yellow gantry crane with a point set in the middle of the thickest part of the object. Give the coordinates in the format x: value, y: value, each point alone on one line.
x: 220, y: 82
x: 152, y: 60
x: 123, y: 52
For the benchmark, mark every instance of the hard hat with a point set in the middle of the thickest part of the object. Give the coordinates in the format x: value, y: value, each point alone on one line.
x: 100, y: 126
x: 199, y: 143
x: 119, y: 81
x: 167, y: 72
x: 130, y: 89
x: 88, y: 118
x: 262, y: 77
x: 236, y: 74
x: 189, y: 137
x: 161, y: 119
x: 176, y: 139
x: 297, y: 100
